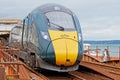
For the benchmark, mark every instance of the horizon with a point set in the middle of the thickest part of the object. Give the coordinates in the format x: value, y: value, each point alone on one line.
x: 102, y: 40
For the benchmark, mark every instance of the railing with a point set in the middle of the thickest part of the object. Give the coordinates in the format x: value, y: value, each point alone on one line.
x: 96, y: 54
x: 10, y: 61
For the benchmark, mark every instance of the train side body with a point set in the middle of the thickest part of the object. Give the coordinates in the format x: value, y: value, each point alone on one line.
x: 51, y: 39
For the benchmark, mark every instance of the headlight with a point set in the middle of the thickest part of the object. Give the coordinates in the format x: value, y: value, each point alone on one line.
x: 45, y: 35
x: 80, y: 37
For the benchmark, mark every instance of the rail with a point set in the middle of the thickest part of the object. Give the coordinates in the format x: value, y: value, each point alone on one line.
x: 104, y: 69
x: 76, y: 75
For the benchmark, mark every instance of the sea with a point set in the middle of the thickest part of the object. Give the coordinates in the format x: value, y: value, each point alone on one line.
x: 114, y: 49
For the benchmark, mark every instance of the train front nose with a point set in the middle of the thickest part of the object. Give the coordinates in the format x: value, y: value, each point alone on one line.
x: 65, y: 46
x: 66, y: 52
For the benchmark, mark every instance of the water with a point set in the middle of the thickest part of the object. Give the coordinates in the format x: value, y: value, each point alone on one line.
x: 113, y: 48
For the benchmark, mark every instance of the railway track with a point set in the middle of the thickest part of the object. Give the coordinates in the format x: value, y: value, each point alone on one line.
x: 82, y: 74
x: 62, y: 76
x: 88, y: 74
x: 104, y: 69
x: 51, y: 75
x: 110, y: 69
x: 34, y: 75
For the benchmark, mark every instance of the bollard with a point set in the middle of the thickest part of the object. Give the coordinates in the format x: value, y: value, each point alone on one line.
x: 96, y: 51
x: 88, y: 50
x: 119, y: 56
x: 108, y: 55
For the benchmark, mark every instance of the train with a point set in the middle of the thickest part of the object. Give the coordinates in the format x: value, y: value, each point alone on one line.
x: 49, y: 38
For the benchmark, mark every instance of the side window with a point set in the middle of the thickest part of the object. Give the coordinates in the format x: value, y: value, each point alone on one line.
x: 33, y: 35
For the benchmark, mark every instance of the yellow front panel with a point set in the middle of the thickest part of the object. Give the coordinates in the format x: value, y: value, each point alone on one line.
x: 63, y: 34
x: 72, y: 48
x: 65, y: 46
x: 60, y: 51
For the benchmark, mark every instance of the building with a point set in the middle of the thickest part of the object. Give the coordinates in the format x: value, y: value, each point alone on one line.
x: 5, y: 27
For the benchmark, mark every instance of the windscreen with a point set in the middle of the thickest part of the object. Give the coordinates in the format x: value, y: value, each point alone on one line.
x: 60, y: 21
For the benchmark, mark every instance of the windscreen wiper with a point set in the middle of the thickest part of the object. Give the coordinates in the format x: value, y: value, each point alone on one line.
x: 57, y: 26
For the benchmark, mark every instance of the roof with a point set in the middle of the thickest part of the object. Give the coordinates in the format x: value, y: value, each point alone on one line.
x: 4, y: 33
x: 52, y: 7
x: 10, y: 21
x: 7, y: 24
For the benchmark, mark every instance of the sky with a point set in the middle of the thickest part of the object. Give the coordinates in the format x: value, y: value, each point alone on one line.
x: 99, y: 19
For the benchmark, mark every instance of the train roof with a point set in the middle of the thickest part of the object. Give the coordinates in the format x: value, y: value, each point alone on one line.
x: 52, y: 7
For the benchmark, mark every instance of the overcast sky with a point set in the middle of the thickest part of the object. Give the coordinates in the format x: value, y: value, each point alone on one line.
x: 99, y: 19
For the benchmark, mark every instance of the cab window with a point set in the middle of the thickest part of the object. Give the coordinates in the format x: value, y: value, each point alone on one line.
x: 60, y: 20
